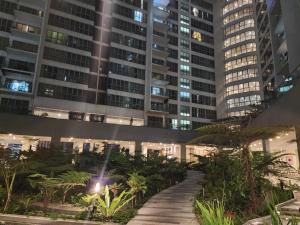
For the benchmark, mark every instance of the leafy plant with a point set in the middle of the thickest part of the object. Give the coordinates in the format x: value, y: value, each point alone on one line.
x: 10, y: 165
x: 115, y: 188
x: 213, y: 213
x: 238, y: 139
x: 137, y: 184
x: 106, y: 206
x: 46, y: 185
x: 71, y: 179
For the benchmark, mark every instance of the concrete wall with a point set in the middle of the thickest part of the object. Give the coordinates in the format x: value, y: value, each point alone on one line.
x: 285, y: 111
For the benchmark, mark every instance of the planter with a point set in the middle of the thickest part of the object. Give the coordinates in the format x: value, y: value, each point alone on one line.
x: 12, y: 219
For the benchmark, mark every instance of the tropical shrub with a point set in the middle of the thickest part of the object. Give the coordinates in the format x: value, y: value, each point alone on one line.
x: 71, y: 179
x: 213, y: 213
x: 106, y: 206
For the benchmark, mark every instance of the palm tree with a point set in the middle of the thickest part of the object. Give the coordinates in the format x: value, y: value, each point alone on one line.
x: 239, y: 139
x: 46, y: 185
x: 71, y: 179
x: 137, y: 184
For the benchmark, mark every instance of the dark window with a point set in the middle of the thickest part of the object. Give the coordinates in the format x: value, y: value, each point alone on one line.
x: 72, y: 9
x: 128, y: 41
x: 202, y: 49
x: 126, y: 86
x: 203, y: 4
x: 203, y: 74
x: 172, y: 94
x: 21, y: 65
x: 7, y: 7
x: 127, y: 55
x: 204, y: 113
x: 64, y: 74
x: 67, y: 57
x: 14, y: 105
x: 66, y: 93
x: 202, y: 26
x: 129, y: 27
x: 173, y: 53
x: 5, y: 25
x: 72, y: 25
x: 172, y: 80
x: 199, y: 86
x: 125, y: 102
x: 127, y: 71
x: 173, y: 40
x: 204, y: 100
x: 155, y: 122
x: 172, y: 109
x: 172, y: 66
x: 25, y: 46
x: 203, y: 61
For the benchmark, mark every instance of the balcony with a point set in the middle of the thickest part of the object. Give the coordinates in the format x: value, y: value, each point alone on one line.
x: 159, y: 79
x: 158, y: 108
x: 159, y: 93
x: 159, y: 51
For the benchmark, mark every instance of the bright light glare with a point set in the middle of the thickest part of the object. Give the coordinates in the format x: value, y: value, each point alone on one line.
x: 97, y: 187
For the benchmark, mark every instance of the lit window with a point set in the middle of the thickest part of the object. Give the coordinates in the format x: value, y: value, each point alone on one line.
x: 185, y: 96
x: 185, y: 70
x: 156, y: 91
x: 197, y: 36
x: 174, y: 124
x: 195, y: 12
x: 184, y: 57
x: 185, y: 124
x: 185, y: 110
x: 16, y: 85
x: 138, y: 16
x: 184, y: 83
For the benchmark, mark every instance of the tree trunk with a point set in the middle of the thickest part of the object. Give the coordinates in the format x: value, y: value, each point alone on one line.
x: 64, y: 198
x: 8, y: 199
x: 250, y: 177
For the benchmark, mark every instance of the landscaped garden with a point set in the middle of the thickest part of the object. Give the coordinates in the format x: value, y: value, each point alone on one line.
x: 236, y: 187
x: 108, y: 186
x: 111, y: 186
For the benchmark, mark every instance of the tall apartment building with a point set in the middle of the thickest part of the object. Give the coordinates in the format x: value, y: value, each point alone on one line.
x: 276, y: 22
x: 126, y: 62
x: 237, y: 77
x: 269, y: 81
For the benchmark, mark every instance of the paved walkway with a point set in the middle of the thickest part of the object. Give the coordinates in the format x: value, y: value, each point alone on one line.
x: 173, y: 206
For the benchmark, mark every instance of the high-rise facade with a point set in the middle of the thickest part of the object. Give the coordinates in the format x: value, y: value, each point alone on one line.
x: 126, y: 62
x: 237, y: 79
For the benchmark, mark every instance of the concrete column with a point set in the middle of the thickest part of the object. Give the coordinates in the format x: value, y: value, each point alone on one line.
x: 266, y: 145
x: 55, y: 141
x: 297, y: 134
x: 138, y: 148
x: 183, y: 153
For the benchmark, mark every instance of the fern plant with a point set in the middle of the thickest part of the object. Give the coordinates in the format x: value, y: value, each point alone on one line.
x: 213, y: 213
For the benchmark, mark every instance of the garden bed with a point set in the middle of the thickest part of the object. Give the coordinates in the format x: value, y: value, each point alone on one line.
x: 68, y: 209
x: 11, y: 219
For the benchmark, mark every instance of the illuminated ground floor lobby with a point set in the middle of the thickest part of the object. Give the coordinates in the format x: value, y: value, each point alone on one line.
x: 31, y: 132
x: 182, y: 152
